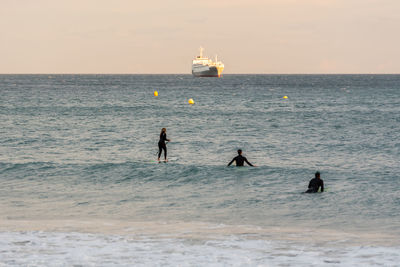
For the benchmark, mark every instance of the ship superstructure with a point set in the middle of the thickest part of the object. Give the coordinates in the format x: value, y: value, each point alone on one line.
x: 205, y: 67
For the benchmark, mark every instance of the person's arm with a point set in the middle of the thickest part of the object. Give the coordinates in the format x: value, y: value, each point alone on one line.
x: 309, y: 184
x: 231, y: 162
x: 322, y: 186
x: 248, y: 162
x: 166, y: 139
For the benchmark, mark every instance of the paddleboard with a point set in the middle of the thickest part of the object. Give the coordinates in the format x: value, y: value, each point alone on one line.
x: 172, y: 159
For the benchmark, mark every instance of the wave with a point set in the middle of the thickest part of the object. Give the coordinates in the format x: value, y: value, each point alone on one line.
x: 6, y: 168
x: 188, y: 244
x: 145, y: 169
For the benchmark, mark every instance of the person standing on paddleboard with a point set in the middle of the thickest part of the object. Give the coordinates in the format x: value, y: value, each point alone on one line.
x: 162, y: 145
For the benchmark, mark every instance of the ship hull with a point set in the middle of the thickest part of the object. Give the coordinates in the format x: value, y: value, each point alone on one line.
x: 209, y: 72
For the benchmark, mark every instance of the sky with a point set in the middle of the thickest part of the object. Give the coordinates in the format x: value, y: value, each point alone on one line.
x: 163, y: 36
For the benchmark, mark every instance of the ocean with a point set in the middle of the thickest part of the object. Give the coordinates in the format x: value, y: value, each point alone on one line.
x: 80, y: 184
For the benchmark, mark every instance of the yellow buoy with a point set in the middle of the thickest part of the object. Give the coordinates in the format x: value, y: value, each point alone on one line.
x: 191, y: 102
x: 285, y: 97
x: 155, y: 93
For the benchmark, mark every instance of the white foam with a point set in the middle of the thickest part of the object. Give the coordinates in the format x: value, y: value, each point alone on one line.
x: 36, y: 248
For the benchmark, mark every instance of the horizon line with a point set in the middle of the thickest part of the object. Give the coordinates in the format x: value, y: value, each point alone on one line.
x: 70, y: 73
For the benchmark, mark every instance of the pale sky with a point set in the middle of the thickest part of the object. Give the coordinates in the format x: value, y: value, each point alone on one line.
x: 163, y: 36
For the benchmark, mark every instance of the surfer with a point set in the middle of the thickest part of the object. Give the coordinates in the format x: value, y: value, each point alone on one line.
x: 240, y: 160
x: 162, y: 145
x: 315, y: 184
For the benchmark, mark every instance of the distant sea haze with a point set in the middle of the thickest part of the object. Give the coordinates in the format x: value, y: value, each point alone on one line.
x: 80, y: 181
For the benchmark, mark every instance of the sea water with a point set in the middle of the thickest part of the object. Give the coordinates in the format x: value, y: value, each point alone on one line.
x: 80, y: 183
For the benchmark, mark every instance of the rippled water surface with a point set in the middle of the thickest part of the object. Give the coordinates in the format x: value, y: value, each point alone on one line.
x: 83, y: 148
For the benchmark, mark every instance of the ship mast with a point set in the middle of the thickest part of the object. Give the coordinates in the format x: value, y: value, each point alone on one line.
x: 201, y: 51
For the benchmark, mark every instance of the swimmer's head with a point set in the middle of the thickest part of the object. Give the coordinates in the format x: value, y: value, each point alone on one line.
x: 239, y: 151
x: 317, y: 175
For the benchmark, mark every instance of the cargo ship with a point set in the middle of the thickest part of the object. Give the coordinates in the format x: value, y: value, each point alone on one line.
x: 205, y: 67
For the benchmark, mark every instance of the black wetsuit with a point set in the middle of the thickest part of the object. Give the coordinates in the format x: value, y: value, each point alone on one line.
x: 240, y: 161
x: 162, y: 145
x: 314, y: 185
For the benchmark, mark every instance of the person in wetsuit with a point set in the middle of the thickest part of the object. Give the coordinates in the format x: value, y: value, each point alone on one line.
x: 240, y: 160
x: 315, y: 184
x: 161, y: 144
